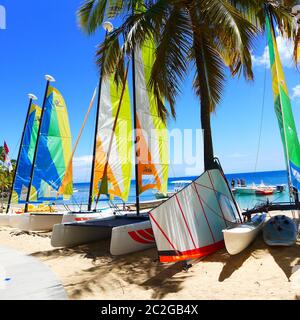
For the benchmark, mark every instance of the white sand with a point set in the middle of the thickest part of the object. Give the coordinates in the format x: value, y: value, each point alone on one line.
x: 90, y: 272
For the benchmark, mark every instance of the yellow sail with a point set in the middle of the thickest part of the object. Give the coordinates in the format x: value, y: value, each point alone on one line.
x: 113, y: 160
x: 152, y: 136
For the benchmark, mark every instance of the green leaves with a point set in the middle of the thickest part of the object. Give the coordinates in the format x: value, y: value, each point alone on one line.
x: 218, y: 34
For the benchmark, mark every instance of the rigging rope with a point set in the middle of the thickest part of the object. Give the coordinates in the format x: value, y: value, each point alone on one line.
x: 261, y: 119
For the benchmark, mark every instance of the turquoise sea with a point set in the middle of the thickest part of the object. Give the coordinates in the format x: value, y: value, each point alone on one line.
x: 245, y: 201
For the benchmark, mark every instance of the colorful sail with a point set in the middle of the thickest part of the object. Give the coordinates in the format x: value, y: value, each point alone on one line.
x: 152, y: 136
x: 22, y: 179
x: 189, y: 225
x: 113, y: 160
x: 283, y: 110
x: 68, y: 178
x: 53, y: 150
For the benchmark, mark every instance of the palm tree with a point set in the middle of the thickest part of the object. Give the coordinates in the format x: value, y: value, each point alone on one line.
x: 210, y: 37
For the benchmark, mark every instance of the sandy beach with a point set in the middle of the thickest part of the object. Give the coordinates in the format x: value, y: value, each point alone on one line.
x: 90, y: 272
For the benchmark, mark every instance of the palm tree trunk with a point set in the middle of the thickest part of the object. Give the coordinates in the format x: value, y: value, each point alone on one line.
x: 204, y: 91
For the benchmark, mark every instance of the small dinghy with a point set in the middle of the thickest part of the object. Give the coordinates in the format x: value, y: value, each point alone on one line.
x: 280, y: 231
x: 239, y: 238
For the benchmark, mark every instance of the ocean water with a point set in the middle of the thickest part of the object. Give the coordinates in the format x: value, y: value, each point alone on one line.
x: 80, y: 197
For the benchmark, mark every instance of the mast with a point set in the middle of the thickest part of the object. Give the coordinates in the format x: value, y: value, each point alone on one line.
x: 48, y: 79
x: 31, y: 98
x: 137, y: 193
x: 108, y: 27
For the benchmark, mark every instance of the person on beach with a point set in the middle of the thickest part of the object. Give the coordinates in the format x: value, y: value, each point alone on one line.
x: 232, y: 183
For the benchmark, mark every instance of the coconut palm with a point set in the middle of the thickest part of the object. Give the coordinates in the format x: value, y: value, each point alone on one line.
x: 213, y: 38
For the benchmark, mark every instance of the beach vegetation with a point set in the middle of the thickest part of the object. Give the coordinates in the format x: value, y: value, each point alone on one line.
x: 212, y: 39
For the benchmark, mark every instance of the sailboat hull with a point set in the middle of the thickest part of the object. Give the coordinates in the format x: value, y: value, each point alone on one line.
x: 280, y: 230
x: 46, y: 221
x: 124, y: 231
x: 240, y: 237
x: 131, y: 238
x: 31, y: 221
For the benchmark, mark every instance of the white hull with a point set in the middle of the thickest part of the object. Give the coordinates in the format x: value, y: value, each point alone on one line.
x: 31, y: 221
x: 128, y: 233
x: 85, y: 216
x: 131, y: 238
x: 240, y: 237
x: 44, y: 221
x: 70, y: 235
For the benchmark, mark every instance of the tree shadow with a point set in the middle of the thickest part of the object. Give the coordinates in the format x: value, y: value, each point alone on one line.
x: 286, y: 257
x: 126, y: 270
x: 164, y: 282
x: 235, y: 262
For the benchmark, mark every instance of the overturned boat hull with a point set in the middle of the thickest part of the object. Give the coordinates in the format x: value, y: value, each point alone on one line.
x: 280, y: 230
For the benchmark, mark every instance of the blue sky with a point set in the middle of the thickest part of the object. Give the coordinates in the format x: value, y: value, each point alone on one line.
x: 43, y: 37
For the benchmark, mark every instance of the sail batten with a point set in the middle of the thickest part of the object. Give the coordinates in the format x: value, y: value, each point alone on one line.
x: 283, y: 110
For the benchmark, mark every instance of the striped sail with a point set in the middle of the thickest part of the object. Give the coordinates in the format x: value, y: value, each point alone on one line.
x: 283, y: 110
x: 23, y: 171
x: 53, y: 150
x: 113, y: 160
x: 152, y: 136
x: 189, y: 225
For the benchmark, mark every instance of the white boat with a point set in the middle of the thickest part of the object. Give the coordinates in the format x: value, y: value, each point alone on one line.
x: 117, y: 223
x: 240, y: 237
x: 128, y: 232
x: 258, y: 189
x: 39, y: 221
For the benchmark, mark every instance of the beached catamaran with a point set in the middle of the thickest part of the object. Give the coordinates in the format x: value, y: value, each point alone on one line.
x: 130, y: 230
x: 279, y: 230
x: 44, y: 153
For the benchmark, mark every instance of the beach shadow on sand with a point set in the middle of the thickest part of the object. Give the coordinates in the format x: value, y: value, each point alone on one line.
x: 141, y: 268
x: 103, y: 272
x: 285, y: 257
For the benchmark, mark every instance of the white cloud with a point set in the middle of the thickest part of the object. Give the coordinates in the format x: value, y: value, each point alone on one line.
x: 285, y: 49
x: 296, y: 92
x: 262, y: 60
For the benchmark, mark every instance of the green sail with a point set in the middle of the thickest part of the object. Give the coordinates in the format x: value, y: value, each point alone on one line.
x: 283, y: 110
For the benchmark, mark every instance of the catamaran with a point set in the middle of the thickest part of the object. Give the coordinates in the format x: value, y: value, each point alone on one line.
x: 112, y: 161
x: 279, y: 230
x: 43, y: 154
